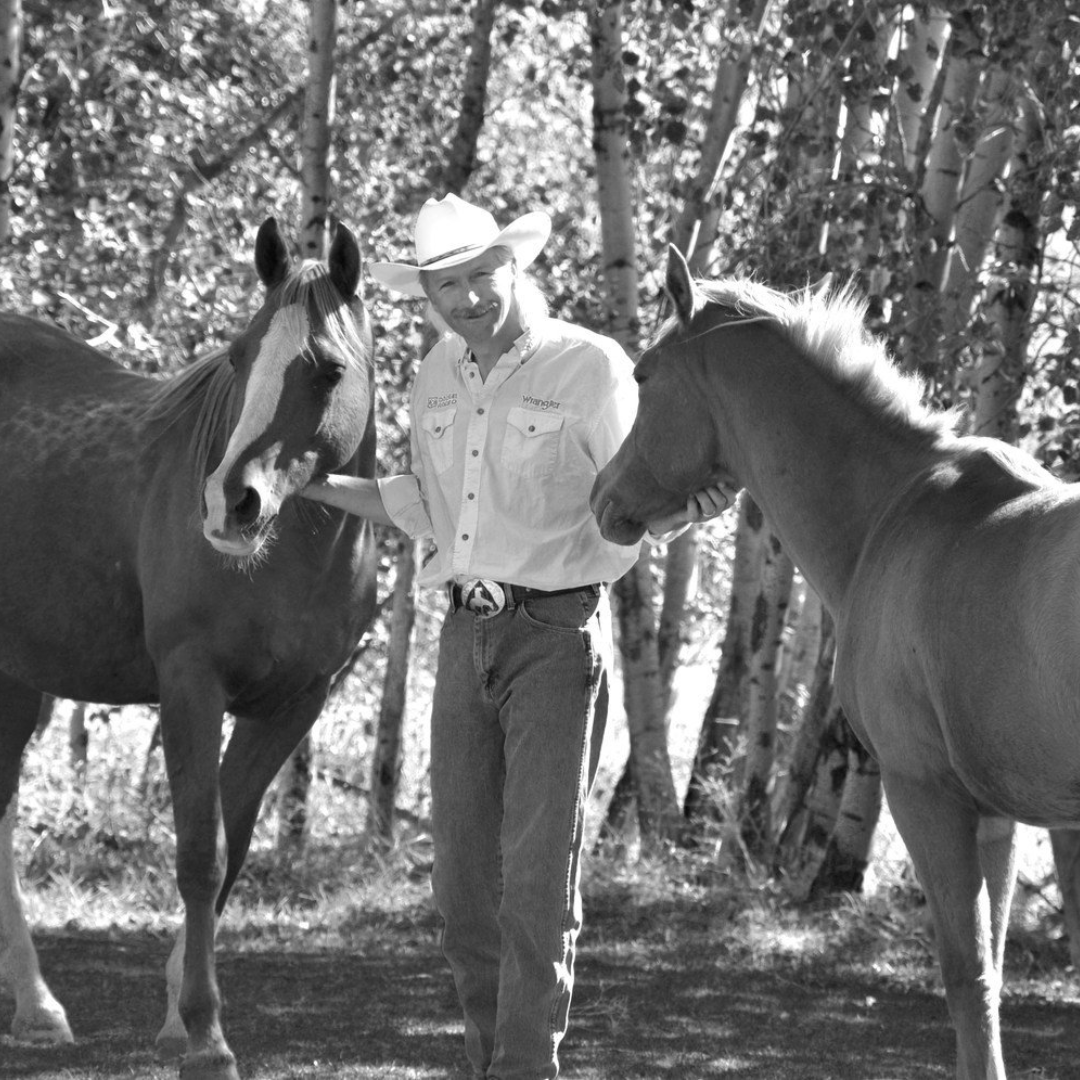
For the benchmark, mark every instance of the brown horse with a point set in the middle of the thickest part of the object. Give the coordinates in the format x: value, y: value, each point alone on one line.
x: 950, y: 564
x: 129, y: 572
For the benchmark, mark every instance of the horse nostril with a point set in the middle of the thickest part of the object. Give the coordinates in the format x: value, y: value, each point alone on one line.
x: 248, y: 508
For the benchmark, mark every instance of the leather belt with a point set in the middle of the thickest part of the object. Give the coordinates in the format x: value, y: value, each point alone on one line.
x: 484, y: 597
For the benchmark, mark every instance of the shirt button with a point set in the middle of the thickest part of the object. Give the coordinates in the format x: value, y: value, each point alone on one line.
x: 476, y: 453
x: 464, y: 536
x: 532, y: 427
x: 471, y: 495
x: 437, y: 430
x: 479, y: 412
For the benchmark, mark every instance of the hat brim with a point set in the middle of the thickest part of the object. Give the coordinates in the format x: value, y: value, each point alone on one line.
x: 525, y: 237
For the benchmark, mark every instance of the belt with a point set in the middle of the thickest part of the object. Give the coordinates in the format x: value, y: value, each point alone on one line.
x: 484, y: 597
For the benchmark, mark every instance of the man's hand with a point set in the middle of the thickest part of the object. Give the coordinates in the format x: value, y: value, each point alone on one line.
x: 701, y: 506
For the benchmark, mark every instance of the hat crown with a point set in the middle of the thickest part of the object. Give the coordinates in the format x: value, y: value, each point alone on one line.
x: 450, y: 226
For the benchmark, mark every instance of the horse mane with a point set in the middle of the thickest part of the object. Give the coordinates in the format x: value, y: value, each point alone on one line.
x: 207, y: 387
x: 829, y: 328
x: 310, y: 285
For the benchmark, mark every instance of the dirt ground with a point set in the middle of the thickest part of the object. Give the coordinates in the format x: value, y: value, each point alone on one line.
x: 666, y: 1006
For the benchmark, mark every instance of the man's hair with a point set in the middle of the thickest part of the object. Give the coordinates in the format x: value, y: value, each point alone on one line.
x: 532, y: 304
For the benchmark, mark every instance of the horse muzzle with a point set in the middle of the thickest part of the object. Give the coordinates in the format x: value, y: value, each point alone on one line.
x: 238, y: 516
x: 614, y: 523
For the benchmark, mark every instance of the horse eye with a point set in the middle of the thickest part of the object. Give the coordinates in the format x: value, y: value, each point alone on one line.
x: 332, y: 374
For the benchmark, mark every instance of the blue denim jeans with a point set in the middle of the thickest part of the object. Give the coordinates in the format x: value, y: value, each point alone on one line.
x: 517, y: 721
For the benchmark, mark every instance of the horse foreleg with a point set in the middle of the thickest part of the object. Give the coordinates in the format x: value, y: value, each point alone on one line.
x: 39, y: 1017
x: 191, y: 716
x: 996, y: 838
x: 255, y: 754
x: 941, y: 830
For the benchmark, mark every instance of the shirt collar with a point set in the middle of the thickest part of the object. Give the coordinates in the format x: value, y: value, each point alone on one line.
x: 525, y: 344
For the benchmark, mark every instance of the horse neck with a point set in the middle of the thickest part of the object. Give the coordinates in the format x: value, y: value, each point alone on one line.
x: 822, y: 463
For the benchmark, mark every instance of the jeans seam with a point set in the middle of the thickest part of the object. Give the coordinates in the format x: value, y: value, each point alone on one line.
x: 576, y: 812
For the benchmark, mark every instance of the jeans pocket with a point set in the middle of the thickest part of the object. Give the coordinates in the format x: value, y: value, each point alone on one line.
x: 568, y: 612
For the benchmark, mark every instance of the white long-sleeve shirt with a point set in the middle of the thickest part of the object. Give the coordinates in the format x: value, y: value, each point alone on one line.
x: 503, y: 467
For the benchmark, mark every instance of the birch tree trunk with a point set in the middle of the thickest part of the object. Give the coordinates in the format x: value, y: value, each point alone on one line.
x: 386, y: 754
x: 462, y: 161
x: 847, y: 853
x: 921, y: 56
x: 650, y: 764
x: 806, y: 749
x: 755, y: 813
x: 721, y: 123
x: 10, y: 74
x: 317, y: 124
x: 724, y: 722
x: 940, y: 193
x: 980, y: 204
x: 798, y: 667
x: 1001, y: 369
x: 812, y: 826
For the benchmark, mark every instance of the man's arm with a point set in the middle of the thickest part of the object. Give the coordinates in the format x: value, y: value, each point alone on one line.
x: 355, y: 494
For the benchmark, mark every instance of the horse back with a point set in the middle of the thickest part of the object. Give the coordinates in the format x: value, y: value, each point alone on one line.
x: 34, y: 351
x: 69, y: 495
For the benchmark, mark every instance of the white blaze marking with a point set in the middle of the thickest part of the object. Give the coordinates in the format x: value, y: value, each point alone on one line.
x: 285, y: 338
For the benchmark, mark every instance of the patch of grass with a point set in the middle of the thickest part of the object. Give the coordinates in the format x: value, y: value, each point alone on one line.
x: 97, y: 853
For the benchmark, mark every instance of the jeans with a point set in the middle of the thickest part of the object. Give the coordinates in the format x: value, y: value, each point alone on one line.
x: 517, y: 721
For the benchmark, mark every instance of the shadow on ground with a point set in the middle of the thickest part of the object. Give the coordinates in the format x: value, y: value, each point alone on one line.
x: 672, y: 1008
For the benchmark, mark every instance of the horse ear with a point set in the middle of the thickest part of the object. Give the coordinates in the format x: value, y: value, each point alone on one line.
x: 680, y: 285
x: 345, y: 262
x: 271, y: 254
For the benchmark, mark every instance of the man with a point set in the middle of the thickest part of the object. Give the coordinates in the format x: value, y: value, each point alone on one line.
x: 513, y: 414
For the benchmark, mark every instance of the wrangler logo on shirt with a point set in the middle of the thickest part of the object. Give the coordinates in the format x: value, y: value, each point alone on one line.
x: 441, y: 401
x: 539, y: 403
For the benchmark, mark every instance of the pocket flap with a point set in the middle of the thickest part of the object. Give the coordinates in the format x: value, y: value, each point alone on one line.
x: 531, y: 423
x: 438, y: 422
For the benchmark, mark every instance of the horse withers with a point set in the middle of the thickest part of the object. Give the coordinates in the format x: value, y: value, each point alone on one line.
x: 151, y: 551
x: 950, y: 565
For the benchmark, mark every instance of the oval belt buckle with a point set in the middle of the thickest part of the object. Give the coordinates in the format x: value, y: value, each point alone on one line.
x: 483, y: 597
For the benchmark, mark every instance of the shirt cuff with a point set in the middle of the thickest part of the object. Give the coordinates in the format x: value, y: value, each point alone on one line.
x: 667, y: 537
x: 405, y: 506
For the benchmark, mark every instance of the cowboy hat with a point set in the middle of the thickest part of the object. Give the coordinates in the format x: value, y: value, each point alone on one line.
x: 450, y: 231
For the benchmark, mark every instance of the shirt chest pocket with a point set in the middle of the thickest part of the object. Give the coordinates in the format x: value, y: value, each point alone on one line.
x: 531, y: 446
x: 437, y: 426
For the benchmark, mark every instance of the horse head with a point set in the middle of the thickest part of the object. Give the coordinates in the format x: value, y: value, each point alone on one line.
x: 673, y: 448
x: 302, y: 372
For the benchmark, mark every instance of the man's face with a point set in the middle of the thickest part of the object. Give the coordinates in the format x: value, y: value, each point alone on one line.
x: 476, y: 298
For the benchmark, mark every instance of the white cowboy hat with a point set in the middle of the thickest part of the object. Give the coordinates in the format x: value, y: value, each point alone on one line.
x: 450, y: 231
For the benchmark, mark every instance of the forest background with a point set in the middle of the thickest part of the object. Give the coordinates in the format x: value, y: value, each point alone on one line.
x: 929, y: 152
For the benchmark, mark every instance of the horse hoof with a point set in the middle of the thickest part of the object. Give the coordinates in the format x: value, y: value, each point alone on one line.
x: 42, y: 1027
x: 206, y: 1066
x: 169, y: 1045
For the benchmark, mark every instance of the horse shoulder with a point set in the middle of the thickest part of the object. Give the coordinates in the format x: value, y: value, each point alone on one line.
x: 926, y: 549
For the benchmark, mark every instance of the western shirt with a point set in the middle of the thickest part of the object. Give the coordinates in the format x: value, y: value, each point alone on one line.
x: 502, y: 467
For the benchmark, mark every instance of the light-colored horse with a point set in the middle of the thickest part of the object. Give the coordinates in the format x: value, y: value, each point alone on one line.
x: 150, y: 552
x: 950, y: 564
